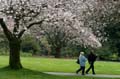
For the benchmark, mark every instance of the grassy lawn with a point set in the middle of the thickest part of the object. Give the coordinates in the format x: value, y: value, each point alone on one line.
x: 35, y: 66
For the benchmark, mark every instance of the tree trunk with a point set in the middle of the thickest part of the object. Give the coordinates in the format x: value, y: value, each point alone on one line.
x: 14, y: 45
x: 14, y: 59
x: 57, y: 52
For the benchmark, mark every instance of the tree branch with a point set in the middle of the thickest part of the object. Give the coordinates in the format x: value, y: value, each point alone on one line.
x: 29, y: 26
x: 7, y: 32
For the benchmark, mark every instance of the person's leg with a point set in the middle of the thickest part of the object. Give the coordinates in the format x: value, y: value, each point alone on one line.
x: 83, y: 70
x: 93, y: 72
x: 88, y: 69
x: 79, y: 70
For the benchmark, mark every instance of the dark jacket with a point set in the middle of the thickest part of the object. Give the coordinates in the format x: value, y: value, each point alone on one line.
x: 91, y: 58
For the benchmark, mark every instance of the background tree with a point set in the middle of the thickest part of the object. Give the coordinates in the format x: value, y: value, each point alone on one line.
x: 30, y: 45
x: 64, y: 25
x: 58, y: 38
x: 56, y: 31
x: 104, y: 19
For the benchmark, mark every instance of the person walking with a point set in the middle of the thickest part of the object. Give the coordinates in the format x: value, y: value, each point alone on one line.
x: 82, y: 60
x: 91, y: 59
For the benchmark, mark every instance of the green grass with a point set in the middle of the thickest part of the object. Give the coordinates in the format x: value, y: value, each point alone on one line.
x: 68, y: 65
x: 33, y: 68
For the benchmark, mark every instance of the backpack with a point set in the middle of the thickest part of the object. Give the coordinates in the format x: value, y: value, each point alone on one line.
x: 78, y: 61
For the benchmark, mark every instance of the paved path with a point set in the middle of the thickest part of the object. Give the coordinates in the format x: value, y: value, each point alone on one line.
x: 74, y: 74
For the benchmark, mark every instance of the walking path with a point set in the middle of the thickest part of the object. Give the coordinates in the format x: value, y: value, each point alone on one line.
x: 74, y: 74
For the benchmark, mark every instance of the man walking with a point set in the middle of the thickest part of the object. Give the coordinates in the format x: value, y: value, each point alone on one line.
x: 91, y: 59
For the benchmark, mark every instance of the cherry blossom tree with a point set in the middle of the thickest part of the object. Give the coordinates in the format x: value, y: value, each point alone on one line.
x: 23, y: 14
x: 63, y: 25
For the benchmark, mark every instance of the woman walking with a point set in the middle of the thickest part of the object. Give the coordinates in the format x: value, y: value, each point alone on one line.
x: 82, y: 60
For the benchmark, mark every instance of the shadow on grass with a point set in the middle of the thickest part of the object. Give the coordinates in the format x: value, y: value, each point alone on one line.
x: 6, y: 73
x: 23, y: 70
